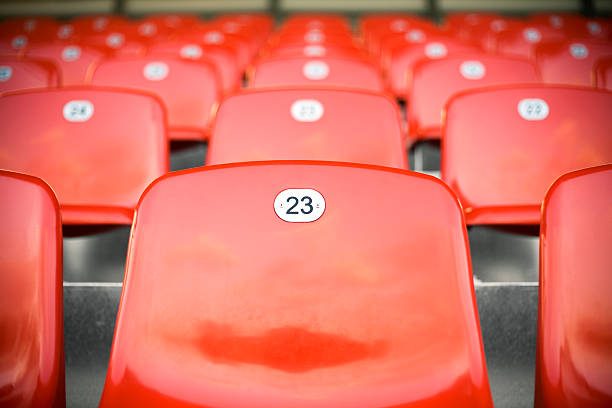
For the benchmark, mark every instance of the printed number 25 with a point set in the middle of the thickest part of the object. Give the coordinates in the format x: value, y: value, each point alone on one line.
x: 295, y: 201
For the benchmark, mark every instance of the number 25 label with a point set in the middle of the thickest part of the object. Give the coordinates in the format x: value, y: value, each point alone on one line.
x: 299, y: 205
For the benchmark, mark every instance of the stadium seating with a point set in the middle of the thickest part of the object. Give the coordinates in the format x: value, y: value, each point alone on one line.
x: 31, y: 310
x: 574, y: 363
x: 400, y: 61
x: 522, y: 39
x: 295, y: 284
x: 98, y: 149
x: 74, y: 62
x: 433, y: 81
x: 602, y: 75
x: 570, y: 63
x: 305, y: 71
x: 190, y: 90
x: 315, y: 124
x: 503, y: 147
x: 18, y: 74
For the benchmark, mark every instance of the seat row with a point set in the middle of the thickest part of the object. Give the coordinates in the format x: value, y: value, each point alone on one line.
x: 502, y: 146
x: 273, y: 284
x: 554, y: 49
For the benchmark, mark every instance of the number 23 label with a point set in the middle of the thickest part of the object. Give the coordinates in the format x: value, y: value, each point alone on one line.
x: 299, y: 205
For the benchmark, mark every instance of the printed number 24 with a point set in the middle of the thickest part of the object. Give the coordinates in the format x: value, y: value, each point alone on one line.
x: 295, y: 201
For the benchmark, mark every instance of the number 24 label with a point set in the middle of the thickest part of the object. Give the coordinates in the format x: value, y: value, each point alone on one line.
x: 299, y: 205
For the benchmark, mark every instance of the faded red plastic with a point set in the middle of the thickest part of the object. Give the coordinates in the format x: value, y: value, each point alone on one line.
x: 75, y: 62
x: 259, y: 125
x: 190, y: 90
x: 31, y: 308
x: 98, y: 168
x: 226, y: 305
x: 570, y: 62
x: 433, y: 82
x: 501, y: 165
x: 342, y: 72
x: 574, y: 358
x: 19, y: 74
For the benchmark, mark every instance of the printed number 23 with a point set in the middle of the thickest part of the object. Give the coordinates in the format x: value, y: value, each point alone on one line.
x: 307, y: 203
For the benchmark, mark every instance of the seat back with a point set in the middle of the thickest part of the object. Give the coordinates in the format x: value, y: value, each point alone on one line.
x: 303, y: 71
x: 31, y: 308
x: 297, y: 284
x: 574, y: 357
x: 308, y: 124
x: 190, y: 90
x: 503, y: 147
x: 570, y: 62
x: 97, y: 148
x: 18, y: 74
x: 433, y: 82
x: 602, y: 74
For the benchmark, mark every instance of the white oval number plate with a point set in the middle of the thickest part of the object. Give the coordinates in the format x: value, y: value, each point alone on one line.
x: 435, y: 50
x: 299, y: 205
x: 579, y: 51
x: 156, y: 71
x: 78, y: 111
x: 533, y: 109
x: 71, y: 53
x: 191, y: 51
x: 472, y: 70
x: 315, y: 70
x: 307, y: 110
x: 6, y: 73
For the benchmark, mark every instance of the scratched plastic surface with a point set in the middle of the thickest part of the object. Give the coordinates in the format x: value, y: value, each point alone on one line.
x: 31, y: 317
x: 225, y: 304
x: 433, y: 82
x: 341, y: 72
x: 501, y: 165
x: 574, y: 364
x: 259, y: 125
x: 99, y: 167
x: 190, y: 90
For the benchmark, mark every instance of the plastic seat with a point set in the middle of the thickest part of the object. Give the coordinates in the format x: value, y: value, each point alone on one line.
x: 75, y: 62
x: 375, y: 28
x: 570, y: 63
x: 574, y: 355
x: 31, y: 307
x: 341, y: 72
x: 190, y: 90
x: 522, y: 39
x: 434, y: 81
x: 503, y: 147
x: 602, y: 75
x: 308, y: 124
x: 400, y: 61
x: 97, y: 148
x: 343, y: 310
x: 222, y: 57
x: 19, y: 74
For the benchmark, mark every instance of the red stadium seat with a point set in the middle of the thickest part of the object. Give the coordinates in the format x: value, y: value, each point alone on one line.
x: 503, y: 147
x: 570, y: 63
x: 295, y: 284
x: 98, y: 149
x: 14, y: 45
x: 521, y: 40
x: 399, y: 61
x: 190, y: 90
x: 304, y: 71
x: 574, y: 355
x: 31, y: 308
x: 192, y: 48
x: 434, y: 81
x: 602, y: 74
x: 375, y: 28
x: 75, y: 62
x: 20, y: 74
x: 308, y: 124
